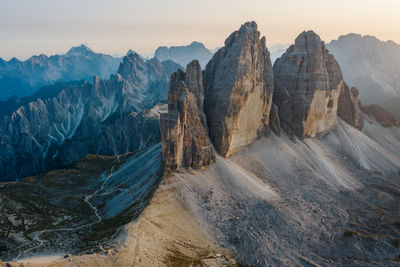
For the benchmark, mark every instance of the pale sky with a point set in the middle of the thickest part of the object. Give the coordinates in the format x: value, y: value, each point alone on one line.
x: 29, y: 27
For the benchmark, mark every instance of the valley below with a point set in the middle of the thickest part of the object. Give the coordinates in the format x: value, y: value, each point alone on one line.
x: 334, y: 201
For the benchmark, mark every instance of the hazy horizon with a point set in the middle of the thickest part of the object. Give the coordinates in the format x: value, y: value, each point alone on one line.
x: 51, y: 27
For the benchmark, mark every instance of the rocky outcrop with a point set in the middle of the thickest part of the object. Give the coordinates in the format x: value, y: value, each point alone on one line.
x: 185, y: 141
x: 308, y: 81
x: 349, y: 106
x: 107, y: 117
x: 238, y: 84
x: 381, y: 115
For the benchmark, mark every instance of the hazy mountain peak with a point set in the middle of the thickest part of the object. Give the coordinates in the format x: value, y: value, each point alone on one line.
x: 185, y: 53
x: 80, y: 50
x: 369, y: 64
x: 249, y: 26
x: 14, y: 61
x: 130, y: 51
x: 197, y: 44
x: 308, y: 39
x: 2, y: 62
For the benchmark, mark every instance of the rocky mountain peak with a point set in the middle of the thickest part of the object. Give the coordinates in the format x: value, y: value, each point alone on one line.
x: 184, y: 54
x: 308, y: 81
x: 349, y: 106
x: 80, y: 50
x: 130, y: 65
x: 197, y: 44
x: 14, y: 61
x: 185, y: 141
x: 246, y: 31
x: 309, y: 40
x: 238, y: 84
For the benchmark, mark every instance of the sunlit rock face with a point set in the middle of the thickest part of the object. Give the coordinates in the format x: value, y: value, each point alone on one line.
x: 238, y: 90
x: 308, y: 81
x: 349, y: 106
x: 185, y: 141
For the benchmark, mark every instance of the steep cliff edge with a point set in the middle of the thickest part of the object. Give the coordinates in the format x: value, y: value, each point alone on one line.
x: 308, y: 81
x: 185, y: 141
x: 238, y: 90
x: 349, y: 107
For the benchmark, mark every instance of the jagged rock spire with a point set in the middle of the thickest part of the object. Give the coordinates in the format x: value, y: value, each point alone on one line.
x: 238, y: 90
x: 185, y: 141
x: 308, y: 81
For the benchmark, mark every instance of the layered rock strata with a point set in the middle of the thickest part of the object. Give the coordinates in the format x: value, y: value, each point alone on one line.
x: 308, y: 81
x: 185, y: 141
x: 238, y: 84
x: 349, y: 107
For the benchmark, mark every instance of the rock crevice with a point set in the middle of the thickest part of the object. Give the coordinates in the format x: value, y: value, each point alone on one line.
x: 308, y: 81
x: 185, y: 141
x: 238, y: 90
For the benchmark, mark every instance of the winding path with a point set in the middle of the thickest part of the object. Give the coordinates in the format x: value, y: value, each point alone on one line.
x: 36, y: 235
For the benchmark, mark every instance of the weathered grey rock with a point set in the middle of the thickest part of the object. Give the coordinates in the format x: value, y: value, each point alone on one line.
x: 185, y: 141
x: 307, y: 86
x: 349, y: 106
x: 238, y: 90
x: 274, y: 122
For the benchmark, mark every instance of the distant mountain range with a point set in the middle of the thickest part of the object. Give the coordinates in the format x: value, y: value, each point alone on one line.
x: 277, y: 51
x: 66, y: 121
x: 184, y: 54
x: 371, y: 65
x: 258, y: 164
x: 23, y: 78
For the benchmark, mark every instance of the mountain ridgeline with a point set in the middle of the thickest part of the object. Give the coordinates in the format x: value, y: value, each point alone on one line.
x: 110, y: 117
x: 371, y: 65
x: 237, y: 99
x: 249, y: 163
x: 184, y: 54
x: 242, y: 97
x: 23, y: 78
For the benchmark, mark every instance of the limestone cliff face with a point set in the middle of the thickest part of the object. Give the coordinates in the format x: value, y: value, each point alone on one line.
x: 185, y: 141
x: 308, y: 81
x: 349, y: 107
x: 238, y: 90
